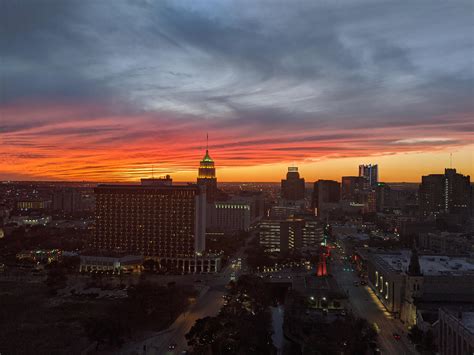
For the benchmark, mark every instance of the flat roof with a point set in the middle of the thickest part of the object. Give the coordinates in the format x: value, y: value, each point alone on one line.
x: 468, y: 320
x: 431, y: 265
x: 106, y: 187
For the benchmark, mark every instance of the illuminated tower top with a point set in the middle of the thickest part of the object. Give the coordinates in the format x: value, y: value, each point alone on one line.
x: 206, y: 167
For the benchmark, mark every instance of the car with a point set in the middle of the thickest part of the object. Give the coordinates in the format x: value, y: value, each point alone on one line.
x: 363, y: 283
x: 356, y: 283
x: 396, y: 336
x: 172, y: 346
x: 198, y: 281
x: 343, y: 312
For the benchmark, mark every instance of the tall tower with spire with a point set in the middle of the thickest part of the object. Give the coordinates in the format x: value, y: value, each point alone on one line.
x: 207, y: 174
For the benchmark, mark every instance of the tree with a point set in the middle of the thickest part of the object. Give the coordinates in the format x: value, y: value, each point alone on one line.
x: 242, y: 326
x: 111, y: 330
x: 428, y: 342
x: 415, y: 335
x: 56, y: 279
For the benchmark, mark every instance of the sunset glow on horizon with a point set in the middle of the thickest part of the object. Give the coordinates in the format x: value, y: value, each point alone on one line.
x: 91, y: 97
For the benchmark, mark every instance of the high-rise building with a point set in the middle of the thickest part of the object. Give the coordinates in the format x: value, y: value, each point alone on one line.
x: 293, y: 188
x: 161, y: 221
x: 65, y: 200
x: 229, y: 216
x: 445, y: 193
x: 370, y: 173
x: 352, y: 188
x: 326, y: 195
x: 207, y: 177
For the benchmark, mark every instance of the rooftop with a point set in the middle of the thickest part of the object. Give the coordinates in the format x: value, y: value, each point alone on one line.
x: 431, y: 265
x: 468, y: 321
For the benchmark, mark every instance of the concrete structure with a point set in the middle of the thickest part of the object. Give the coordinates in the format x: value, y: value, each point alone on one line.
x: 207, y: 177
x: 26, y: 205
x: 352, y: 188
x: 160, y: 181
x: 166, y: 223
x: 66, y: 200
x: 370, y: 173
x: 111, y: 264
x: 448, y: 193
x: 229, y: 216
x: 255, y: 199
x: 283, y: 212
x: 31, y: 220
x: 455, y: 332
x: 289, y: 234
x: 404, y: 281
x: 326, y: 196
x: 447, y: 243
x: 323, y: 293
x: 293, y: 187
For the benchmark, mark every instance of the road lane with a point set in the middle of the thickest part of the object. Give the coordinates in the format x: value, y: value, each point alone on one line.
x: 366, y: 305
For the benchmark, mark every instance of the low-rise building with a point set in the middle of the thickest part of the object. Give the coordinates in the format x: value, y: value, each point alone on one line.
x: 324, y: 293
x: 26, y: 205
x: 447, y: 243
x: 289, y: 234
x: 406, y: 282
x: 455, y: 332
x: 31, y: 220
x: 117, y: 264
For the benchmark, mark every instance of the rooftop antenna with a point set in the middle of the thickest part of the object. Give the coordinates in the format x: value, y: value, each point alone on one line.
x: 207, y: 141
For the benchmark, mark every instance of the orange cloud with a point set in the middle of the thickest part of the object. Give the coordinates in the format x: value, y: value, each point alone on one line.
x: 87, y: 142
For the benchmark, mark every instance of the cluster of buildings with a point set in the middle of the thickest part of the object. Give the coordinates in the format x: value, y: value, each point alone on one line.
x: 432, y: 291
x: 352, y: 194
x: 168, y: 223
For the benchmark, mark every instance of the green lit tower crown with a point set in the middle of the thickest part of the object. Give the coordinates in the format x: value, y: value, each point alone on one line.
x: 207, y: 176
x: 206, y: 168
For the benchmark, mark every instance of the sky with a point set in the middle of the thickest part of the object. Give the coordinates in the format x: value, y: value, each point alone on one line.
x: 110, y: 90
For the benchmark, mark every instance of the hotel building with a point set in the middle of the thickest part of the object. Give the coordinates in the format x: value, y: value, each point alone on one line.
x: 159, y: 221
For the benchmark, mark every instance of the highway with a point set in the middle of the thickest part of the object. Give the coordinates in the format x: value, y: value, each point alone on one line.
x: 365, y: 304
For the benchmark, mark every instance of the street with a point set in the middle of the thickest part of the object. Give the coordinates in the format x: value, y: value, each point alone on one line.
x: 208, y: 304
x: 365, y: 304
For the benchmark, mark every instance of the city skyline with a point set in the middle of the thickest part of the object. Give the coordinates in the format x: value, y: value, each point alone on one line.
x: 86, y: 95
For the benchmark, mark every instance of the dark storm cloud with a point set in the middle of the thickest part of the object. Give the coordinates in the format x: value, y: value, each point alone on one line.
x: 265, y: 65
